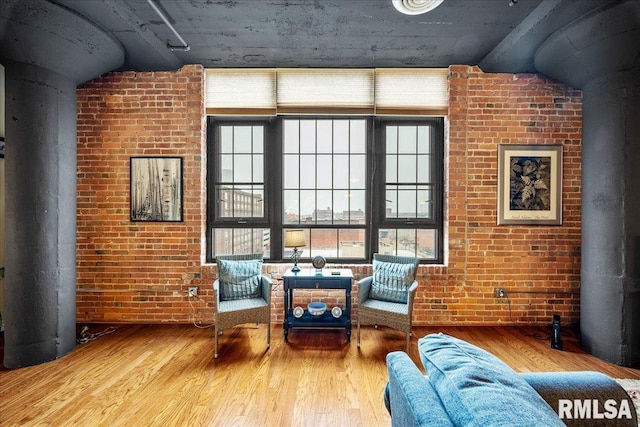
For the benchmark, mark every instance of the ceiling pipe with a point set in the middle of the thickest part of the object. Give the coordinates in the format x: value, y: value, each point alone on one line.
x: 185, y: 46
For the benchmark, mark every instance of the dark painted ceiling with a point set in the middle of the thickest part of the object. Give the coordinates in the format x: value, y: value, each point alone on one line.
x: 307, y: 33
x: 70, y: 35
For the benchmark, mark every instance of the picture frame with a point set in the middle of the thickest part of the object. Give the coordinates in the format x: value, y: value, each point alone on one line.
x: 156, y: 189
x: 529, y: 184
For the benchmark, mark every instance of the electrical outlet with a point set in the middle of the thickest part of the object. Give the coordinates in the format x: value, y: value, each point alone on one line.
x: 193, y: 291
x: 500, y: 292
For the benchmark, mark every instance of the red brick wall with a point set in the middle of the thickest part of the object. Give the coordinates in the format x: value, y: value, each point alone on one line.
x: 538, y: 265
x: 139, y: 272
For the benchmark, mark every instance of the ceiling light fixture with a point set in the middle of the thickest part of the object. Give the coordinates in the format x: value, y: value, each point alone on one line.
x: 415, y: 7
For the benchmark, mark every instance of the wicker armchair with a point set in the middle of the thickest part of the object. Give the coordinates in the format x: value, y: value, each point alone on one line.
x: 236, y: 306
x: 387, y: 300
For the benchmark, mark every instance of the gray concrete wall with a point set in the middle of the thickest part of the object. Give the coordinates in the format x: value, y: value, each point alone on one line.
x: 598, y: 53
x: 611, y: 218
x: 1, y: 193
x: 40, y: 227
x: 47, y: 49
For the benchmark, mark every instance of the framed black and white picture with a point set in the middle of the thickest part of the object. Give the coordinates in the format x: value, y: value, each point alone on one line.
x: 156, y: 189
x: 529, y: 184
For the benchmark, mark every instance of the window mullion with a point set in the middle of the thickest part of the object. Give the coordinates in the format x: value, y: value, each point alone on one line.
x: 233, y: 173
x: 417, y: 184
x: 252, y: 185
x: 334, y: 195
x: 349, y: 188
x: 317, y: 171
x: 274, y: 140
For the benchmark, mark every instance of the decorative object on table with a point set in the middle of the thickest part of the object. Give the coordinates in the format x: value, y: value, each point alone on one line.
x: 294, y: 239
x: 298, y: 312
x: 318, y: 262
x: 317, y: 309
x: 336, y: 312
x: 529, y: 184
x: 156, y: 189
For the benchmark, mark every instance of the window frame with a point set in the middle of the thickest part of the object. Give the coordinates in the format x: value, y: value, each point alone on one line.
x: 215, y: 190
x: 270, y: 169
x: 375, y: 174
x: 380, y: 221
x: 366, y: 227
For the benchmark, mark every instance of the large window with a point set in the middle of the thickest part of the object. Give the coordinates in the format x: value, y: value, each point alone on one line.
x: 356, y: 186
x: 410, y: 216
x: 237, y: 190
x: 324, y: 184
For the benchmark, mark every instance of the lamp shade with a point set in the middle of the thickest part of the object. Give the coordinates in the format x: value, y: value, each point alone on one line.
x: 294, y: 239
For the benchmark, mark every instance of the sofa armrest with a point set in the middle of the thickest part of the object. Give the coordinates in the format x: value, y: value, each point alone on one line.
x: 409, y: 396
x: 584, y: 387
x: 364, y: 285
x: 266, y: 288
x: 216, y: 292
x: 411, y: 295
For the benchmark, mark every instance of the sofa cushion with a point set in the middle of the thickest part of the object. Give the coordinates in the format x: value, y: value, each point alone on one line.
x: 478, y: 389
x: 391, y: 281
x: 239, y: 279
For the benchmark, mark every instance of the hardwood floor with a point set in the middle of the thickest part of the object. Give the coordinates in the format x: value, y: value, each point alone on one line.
x: 165, y: 375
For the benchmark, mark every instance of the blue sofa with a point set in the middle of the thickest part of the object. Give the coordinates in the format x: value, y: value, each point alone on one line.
x: 467, y: 386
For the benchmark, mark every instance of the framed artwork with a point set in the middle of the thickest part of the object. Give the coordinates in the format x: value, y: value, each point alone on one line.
x: 529, y: 184
x: 156, y: 189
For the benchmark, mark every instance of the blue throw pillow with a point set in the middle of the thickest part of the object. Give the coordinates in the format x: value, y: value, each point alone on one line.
x: 391, y: 281
x: 239, y: 279
x: 478, y: 389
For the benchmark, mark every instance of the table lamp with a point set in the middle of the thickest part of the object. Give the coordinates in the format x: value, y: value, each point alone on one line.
x: 294, y: 239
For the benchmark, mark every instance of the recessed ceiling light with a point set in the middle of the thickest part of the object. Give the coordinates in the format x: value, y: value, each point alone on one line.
x: 416, y: 7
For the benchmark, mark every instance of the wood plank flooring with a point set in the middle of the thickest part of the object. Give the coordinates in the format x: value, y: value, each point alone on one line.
x: 165, y: 375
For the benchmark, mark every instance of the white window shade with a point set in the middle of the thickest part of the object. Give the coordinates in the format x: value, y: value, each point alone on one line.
x: 241, y: 91
x: 317, y: 91
x: 380, y: 91
x: 411, y: 91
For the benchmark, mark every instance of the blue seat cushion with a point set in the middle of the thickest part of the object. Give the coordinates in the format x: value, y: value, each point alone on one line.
x: 391, y: 281
x: 478, y: 389
x: 239, y: 279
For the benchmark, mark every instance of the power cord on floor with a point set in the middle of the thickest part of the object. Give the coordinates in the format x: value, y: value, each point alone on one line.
x: 195, y: 312
x: 522, y: 331
x: 537, y: 336
x: 84, y: 336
